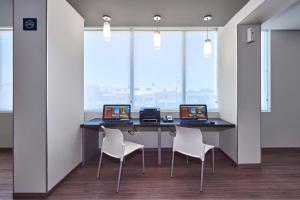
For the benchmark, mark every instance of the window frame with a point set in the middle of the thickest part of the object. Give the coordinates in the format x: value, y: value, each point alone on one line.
x: 183, y: 30
x: 11, y: 30
x: 267, y: 69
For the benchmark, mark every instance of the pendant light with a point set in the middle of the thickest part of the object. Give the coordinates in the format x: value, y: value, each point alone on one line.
x: 207, y: 47
x: 156, y: 34
x: 106, y: 28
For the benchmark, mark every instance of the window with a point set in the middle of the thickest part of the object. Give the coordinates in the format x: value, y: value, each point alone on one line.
x: 265, y: 71
x: 106, y: 69
x: 201, y: 72
x: 129, y: 70
x: 6, y: 70
x: 158, y: 73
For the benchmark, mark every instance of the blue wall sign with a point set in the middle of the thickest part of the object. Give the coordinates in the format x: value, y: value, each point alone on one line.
x: 29, y: 24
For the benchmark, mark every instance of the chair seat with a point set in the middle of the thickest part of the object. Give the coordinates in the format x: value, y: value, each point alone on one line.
x: 131, y: 147
x: 208, y: 147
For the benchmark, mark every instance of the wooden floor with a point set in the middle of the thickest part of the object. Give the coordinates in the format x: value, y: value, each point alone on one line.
x: 277, y: 178
x: 6, y: 180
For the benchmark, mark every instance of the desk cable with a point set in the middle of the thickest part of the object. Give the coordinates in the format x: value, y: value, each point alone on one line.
x: 133, y: 131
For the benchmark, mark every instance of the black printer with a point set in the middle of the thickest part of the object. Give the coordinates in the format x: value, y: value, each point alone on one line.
x: 150, y: 115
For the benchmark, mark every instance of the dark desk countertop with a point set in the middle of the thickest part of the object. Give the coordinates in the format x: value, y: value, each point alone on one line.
x: 218, y: 123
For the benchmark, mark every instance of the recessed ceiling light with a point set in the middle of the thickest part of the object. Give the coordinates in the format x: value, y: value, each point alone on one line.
x: 157, y: 18
x: 106, y: 18
x: 207, y: 18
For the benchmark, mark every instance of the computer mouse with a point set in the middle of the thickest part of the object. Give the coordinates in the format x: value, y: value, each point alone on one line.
x: 212, y: 122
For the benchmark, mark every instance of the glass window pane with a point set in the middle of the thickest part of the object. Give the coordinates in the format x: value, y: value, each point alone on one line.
x: 201, y: 72
x: 265, y: 71
x: 106, y: 69
x: 158, y: 73
x: 6, y: 70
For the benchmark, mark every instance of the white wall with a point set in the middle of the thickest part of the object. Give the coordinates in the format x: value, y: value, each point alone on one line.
x: 227, y: 77
x: 6, y: 13
x: 227, y: 88
x: 65, y: 89
x: 48, y: 94
x: 30, y: 87
x: 6, y: 128
x: 234, y: 86
x: 248, y: 95
x: 280, y: 127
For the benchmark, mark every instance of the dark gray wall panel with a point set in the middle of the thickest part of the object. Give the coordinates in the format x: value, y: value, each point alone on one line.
x: 280, y: 127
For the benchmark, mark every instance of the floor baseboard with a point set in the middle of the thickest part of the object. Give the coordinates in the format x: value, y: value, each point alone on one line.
x: 58, y: 184
x: 6, y: 148
x: 227, y: 156
x: 43, y: 195
x: 278, y: 149
x: 30, y: 195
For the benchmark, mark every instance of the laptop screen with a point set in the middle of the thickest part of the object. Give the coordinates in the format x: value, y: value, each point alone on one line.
x: 116, y: 112
x: 193, y: 112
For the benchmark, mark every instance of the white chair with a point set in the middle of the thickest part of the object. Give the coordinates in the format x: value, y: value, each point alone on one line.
x: 189, y: 142
x: 113, y: 145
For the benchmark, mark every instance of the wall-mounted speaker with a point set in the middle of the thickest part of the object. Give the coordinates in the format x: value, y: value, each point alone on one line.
x: 250, y: 35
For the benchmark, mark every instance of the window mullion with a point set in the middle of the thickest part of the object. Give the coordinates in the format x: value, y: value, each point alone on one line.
x: 131, y: 68
x: 183, y: 68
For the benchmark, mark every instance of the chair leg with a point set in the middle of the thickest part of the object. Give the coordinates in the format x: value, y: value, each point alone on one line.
x: 119, y: 177
x: 213, y: 159
x: 172, y: 164
x: 143, y: 157
x: 202, y: 170
x: 100, y: 160
x: 187, y: 160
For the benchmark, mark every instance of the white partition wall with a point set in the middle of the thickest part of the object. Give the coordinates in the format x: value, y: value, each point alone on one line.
x: 228, y: 79
x: 30, y: 100
x: 248, y: 95
x: 48, y: 95
x: 227, y: 89
x: 239, y: 80
x: 65, y: 89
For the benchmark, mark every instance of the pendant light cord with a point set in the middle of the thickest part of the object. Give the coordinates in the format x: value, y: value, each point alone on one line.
x: 206, y: 32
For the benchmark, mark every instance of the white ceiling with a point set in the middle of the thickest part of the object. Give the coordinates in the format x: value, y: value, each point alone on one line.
x: 174, y: 12
x: 289, y: 19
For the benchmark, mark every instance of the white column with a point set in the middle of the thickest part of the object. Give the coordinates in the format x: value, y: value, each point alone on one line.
x: 30, y: 98
x: 248, y: 95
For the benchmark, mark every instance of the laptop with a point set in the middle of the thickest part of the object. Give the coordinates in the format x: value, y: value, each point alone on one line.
x: 193, y: 113
x: 117, y: 113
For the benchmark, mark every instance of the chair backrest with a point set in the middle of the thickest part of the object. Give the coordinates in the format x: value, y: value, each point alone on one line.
x: 189, y: 141
x: 113, y: 142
